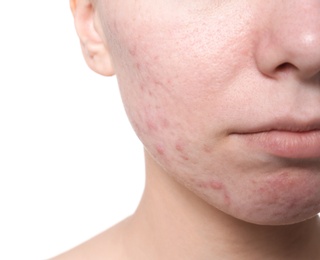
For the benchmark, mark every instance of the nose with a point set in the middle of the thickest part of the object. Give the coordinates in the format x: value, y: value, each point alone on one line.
x: 289, y: 40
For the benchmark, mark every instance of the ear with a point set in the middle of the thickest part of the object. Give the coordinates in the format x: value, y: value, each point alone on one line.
x: 94, y: 47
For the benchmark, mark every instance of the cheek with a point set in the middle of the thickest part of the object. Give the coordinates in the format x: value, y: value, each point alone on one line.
x: 175, y: 82
x: 181, y: 91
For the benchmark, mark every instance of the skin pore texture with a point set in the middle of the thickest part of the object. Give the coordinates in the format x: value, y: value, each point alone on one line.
x: 225, y: 97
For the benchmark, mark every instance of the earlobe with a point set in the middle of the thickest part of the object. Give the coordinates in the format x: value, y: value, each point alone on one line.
x: 94, y: 47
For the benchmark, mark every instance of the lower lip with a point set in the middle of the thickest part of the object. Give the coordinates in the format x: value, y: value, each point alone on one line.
x: 295, y: 145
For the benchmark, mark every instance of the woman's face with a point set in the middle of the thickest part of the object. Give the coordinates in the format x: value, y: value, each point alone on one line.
x: 225, y: 96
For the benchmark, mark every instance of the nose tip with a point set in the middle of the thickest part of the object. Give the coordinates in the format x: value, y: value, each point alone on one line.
x: 290, y: 44
x: 309, y: 65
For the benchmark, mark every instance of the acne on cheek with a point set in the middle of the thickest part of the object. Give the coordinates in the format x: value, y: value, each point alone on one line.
x: 155, y: 121
x: 180, y: 149
x: 160, y: 149
x: 285, y: 195
x: 216, y: 187
x: 157, y: 105
x: 155, y: 131
x: 283, y: 184
x: 154, y: 118
x: 152, y: 126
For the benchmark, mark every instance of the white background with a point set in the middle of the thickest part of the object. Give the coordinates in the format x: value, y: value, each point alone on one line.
x: 70, y: 164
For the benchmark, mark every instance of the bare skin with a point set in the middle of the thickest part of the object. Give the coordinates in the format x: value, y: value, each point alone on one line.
x: 178, y: 225
x: 224, y: 96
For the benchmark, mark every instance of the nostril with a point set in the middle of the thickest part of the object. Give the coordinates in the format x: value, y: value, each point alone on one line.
x: 286, y: 67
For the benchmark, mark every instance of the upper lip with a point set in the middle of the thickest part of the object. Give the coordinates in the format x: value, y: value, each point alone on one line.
x: 286, y: 125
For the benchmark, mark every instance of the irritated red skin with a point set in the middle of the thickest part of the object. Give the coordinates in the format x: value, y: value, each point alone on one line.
x: 193, y: 75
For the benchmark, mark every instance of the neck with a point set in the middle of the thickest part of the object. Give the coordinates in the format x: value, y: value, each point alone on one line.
x: 173, y: 223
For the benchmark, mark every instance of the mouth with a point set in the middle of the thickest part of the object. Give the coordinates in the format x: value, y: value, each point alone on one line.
x: 287, y: 139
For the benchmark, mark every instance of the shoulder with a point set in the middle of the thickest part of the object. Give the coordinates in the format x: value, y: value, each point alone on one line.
x: 107, y: 245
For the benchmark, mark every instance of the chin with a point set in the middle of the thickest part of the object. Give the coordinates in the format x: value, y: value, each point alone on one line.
x: 279, y: 217
x: 265, y: 203
x: 284, y: 211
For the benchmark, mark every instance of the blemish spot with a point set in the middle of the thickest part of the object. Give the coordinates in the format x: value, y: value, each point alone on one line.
x: 133, y: 51
x: 185, y: 158
x: 179, y: 147
x: 207, y: 149
x: 151, y: 125
x: 157, y: 83
x: 216, y: 185
x: 160, y: 149
x: 138, y: 66
x: 164, y: 123
x: 227, y: 199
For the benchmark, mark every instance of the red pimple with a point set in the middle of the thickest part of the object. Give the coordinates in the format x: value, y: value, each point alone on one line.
x: 186, y: 158
x: 179, y: 147
x: 227, y: 199
x: 216, y: 185
x: 160, y: 149
x: 151, y: 125
x: 133, y: 50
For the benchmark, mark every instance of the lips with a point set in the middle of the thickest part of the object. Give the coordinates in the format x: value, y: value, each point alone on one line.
x: 285, y: 138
